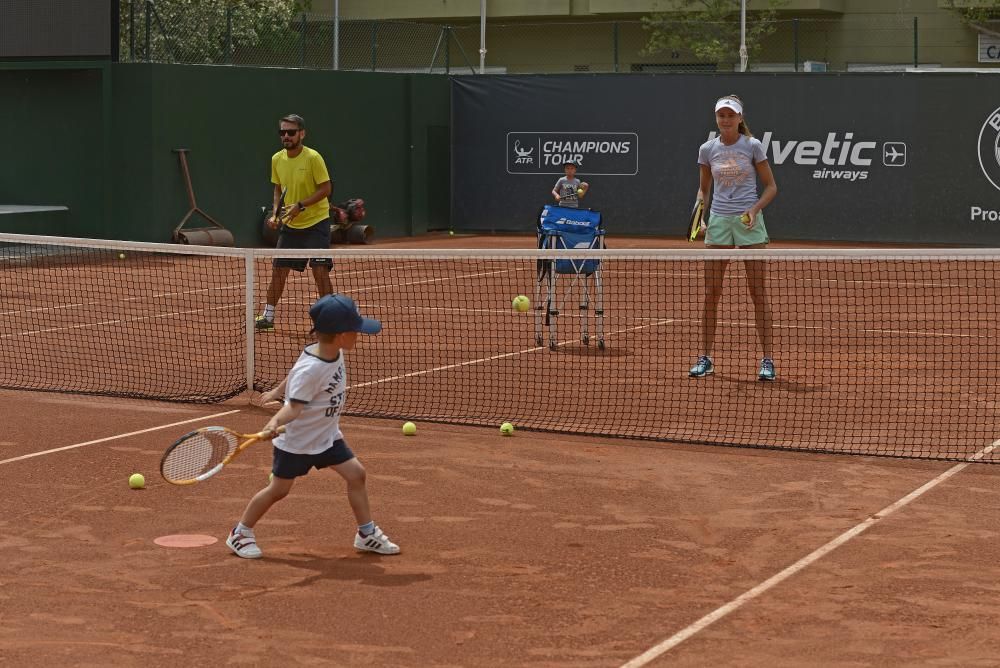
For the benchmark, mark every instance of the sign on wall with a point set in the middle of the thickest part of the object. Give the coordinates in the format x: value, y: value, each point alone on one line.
x: 865, y: 157
x: 989, y: 48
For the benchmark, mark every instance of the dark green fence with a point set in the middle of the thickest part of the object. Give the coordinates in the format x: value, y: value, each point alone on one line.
x: 101, y: 142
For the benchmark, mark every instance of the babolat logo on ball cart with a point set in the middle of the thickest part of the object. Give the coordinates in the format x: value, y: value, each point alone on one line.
x: 989, y: 162
x: 840, y: 157
x: 596, y: 153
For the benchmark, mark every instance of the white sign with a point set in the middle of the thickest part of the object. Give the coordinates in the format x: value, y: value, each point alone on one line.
x: 595, y: 153
x: 989, y: 48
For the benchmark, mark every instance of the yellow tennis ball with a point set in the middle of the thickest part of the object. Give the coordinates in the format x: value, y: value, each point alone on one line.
x: 121, y: 256
x: 580, y: 191
x: 409, y: 429
x: 521, y: 303
x: 506, y: 429
x: 136, y: 481
x: 451, y: 233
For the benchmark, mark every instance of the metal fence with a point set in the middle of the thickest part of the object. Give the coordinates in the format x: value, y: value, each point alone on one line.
x: 226, y: 33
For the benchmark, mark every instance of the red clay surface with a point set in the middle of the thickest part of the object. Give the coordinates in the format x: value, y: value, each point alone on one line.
x: 868, y: 353
x: 535, y: 550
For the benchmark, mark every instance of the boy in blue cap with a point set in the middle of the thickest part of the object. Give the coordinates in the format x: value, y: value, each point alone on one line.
x: 316, y: 388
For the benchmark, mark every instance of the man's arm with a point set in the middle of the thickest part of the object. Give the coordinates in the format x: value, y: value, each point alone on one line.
x: 323, y: 191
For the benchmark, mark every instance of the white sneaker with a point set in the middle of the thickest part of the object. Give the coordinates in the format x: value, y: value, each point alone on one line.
x: 377, y: 541
x: 244, y: 545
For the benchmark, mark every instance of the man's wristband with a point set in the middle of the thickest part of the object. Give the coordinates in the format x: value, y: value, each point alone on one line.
x: 302, y: 207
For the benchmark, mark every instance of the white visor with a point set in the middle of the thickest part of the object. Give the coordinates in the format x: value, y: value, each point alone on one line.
x: 730, y: 103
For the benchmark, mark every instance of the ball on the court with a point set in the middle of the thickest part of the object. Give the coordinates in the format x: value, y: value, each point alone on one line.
x: 506, y: 429
x: 451, y: 233
x: 521, y: 303
x: 121, y: 256
x: 409, y: 429
x: 136, y: 481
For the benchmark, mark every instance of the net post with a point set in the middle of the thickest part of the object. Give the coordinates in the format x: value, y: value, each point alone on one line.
x: 248, y: 259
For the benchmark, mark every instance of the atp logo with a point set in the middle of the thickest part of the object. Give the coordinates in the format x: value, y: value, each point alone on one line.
x: 989, y: 148
x: 524, y: 157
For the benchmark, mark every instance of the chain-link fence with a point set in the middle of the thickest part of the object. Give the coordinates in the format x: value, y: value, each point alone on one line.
x: 226, y: 33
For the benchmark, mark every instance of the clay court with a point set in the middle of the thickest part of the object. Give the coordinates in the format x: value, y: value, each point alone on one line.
x: 541, y: 549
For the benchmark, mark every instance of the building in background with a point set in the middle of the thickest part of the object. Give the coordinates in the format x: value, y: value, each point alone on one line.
x: 548, y: 36
x: 608, y: 36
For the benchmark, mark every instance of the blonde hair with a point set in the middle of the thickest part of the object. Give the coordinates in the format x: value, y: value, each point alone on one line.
x: 743, y: 129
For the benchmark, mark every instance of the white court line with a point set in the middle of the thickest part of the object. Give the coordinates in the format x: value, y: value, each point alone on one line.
x: 160, y: 295
x: 430, y: 280
x: 834, y: 328
x: 115, y: 438
x: 457, y: 365
x: 119, y: 322
x: 747, y: 596
x: 40, y: 309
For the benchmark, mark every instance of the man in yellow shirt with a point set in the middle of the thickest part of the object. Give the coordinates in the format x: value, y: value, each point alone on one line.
x: 301, y: 172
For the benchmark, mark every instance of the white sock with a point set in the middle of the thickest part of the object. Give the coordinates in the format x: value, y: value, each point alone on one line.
x: 243, y: 529
x: 269, y: 311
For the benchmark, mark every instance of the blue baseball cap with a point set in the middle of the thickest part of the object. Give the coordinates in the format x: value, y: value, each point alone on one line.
x: 335, y: 314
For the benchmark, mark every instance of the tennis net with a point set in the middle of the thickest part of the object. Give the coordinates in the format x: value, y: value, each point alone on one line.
x: 876, y: 353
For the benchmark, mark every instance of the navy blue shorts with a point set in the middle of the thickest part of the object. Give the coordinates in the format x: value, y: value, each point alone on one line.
x: 315, y: 236
x: 293, y: 465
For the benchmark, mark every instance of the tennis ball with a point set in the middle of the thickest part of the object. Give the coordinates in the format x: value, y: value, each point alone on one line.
x: 136, y: 481
x: 506, y: 429
x: 451, y: 233
x: 745, y: 219
x: 580, y: 191
x: 521, y: 303
x: 121, y: 256
x: 409, y: 429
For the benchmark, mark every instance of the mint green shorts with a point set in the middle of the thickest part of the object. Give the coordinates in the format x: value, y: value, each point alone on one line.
x: 729, y: 231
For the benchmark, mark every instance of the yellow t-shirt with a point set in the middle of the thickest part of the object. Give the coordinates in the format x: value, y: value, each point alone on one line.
x: 301, y: 175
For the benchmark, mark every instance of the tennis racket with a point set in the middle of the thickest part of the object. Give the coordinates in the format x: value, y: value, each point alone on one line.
x: 201, y: 454
x: 696, y: 213
x: 281, y: 214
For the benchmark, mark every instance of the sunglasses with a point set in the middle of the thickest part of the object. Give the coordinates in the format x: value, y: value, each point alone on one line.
x: 288, y: 133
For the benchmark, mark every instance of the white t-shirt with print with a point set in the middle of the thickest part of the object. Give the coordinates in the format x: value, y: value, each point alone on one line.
x: 321, y: 385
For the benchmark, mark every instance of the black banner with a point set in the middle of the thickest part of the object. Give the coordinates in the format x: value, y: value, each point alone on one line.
x: 857, y: 157
x: 60, y: 28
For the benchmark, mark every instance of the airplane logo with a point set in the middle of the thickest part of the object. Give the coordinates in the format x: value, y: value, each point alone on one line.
x: 894, y: 154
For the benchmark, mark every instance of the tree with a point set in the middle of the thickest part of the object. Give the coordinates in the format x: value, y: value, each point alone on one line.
x: 709, y: 29
x: 982, y: 16
x: 203, y: 31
